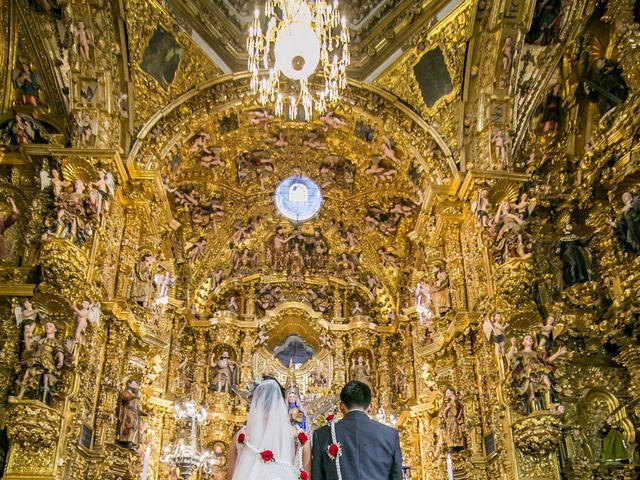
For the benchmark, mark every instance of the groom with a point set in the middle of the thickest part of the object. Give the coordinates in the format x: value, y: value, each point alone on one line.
x: 369, y: 450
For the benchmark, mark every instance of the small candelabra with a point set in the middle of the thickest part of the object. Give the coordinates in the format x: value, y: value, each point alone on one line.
x: 187, y: 455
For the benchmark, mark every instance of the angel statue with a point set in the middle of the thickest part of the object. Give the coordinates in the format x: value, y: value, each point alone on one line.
x: 524, y: 207
x: 532, y: 376
x: 27, y: 82
x: 548, y: 332
x: 87, y: 313
x: 494, y: 331
x: 262, y: 337
x: 27, y: 316
x: 106, y: 186
x: 627, y: 227
x: 480, y: 208
x: 87, y: 128
x: 83, y: 37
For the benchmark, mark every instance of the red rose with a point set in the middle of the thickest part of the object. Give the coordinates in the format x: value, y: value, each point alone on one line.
x: 330, y: 417
x: 334, y: 450
x: 267, y: 456
x: 304, y: 475
x: 241, y: 438
x: 302, y: 438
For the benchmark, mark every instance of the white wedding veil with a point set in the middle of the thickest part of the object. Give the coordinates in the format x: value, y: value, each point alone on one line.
x: 267, y: 428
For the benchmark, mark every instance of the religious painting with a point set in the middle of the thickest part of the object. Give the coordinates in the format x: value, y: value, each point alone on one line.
x: 46, y: 6
x: 89, y: 91
x: 161, y: 58
x: 546, y: 24
x: 433, y: 77
x: 294, y: 350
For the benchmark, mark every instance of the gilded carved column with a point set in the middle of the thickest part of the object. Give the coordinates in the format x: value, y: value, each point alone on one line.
x: 384, y: 376
x: 107, y: 405
x: 246, y: 364
x: 339, y: 363
x: 455, y: 265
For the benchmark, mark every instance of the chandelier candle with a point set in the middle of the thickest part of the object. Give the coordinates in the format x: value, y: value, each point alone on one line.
x: 302, y: 39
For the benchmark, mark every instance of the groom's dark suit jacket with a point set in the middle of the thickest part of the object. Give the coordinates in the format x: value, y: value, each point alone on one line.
x: 370, y: 450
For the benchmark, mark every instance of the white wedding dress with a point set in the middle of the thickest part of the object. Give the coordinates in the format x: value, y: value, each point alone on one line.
x: 267, y: 429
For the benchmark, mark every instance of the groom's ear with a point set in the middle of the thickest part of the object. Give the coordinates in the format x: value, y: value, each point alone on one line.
x: 342, y: 407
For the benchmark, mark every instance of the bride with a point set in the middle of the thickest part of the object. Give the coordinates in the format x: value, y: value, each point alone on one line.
x: 268, y: 447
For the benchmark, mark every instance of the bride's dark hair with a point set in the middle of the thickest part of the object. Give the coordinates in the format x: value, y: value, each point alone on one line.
x: 282, y: 390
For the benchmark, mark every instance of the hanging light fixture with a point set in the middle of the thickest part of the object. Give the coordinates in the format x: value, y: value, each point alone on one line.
x: 301, y: 38
x: 187, y: 455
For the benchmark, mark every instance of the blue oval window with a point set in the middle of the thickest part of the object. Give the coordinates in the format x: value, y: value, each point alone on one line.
x: 298, y: 198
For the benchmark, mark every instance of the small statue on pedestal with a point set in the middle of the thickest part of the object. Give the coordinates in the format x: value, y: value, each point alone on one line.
x: 42, y: 366
x: 361, y: 370
x: 613, y: 447
x: 627, y: 227
x: 129, y: 413
x: 532, y: 376
x: 142, y: 282
x: 27, y: 316
x: 574, y: 260
x: 224, y: 373
x: 452, y: 422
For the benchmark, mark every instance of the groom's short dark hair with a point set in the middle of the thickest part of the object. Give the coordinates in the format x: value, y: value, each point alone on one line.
x: 355, y: 394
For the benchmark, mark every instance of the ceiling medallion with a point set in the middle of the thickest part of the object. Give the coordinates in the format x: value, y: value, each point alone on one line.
x: 298, y: 198
x: 302, y: 38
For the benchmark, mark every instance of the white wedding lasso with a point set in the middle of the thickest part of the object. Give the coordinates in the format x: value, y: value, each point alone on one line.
x: 335, y: 442
x: 243, y: 440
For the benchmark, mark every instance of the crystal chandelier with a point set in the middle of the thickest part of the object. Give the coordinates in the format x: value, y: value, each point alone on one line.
x: 301, y: 37
x: 187, y: 455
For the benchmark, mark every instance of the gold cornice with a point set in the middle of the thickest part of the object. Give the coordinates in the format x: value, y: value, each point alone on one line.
x: 17, y: 290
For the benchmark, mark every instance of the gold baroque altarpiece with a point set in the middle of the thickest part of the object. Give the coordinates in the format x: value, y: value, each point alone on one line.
x: 475, y: 259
